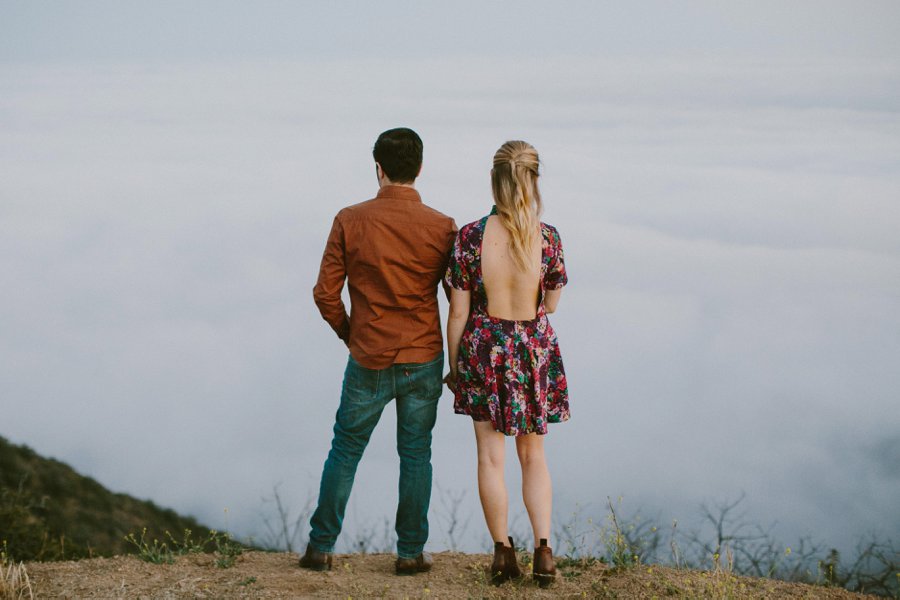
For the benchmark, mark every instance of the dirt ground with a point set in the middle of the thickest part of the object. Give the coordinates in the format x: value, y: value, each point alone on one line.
x: 455, y: 575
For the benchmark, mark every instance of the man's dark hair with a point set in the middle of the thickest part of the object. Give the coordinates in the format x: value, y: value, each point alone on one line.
x: 399, y: 152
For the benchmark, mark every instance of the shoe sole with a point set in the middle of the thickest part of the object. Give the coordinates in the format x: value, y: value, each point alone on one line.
x: 544, y: 581
x: 315, y: 567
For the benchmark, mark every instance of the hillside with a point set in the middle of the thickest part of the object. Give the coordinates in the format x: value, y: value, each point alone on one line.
x: 49, y: 512
x: 455, y: 575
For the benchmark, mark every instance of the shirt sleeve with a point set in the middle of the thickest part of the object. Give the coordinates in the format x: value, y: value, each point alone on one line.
x: 458, y: 274
x: 555, y: 276
x: 327, y: 292
x: 451, y: 237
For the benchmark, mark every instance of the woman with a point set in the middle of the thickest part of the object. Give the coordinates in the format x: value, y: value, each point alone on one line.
x: 506, y: 273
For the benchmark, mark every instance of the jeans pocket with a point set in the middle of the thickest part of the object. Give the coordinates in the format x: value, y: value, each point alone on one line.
x: 426, y: 380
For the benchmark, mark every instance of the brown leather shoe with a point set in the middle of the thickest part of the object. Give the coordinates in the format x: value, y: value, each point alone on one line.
x: 411, y: 566
x: 315, y: 560
x: 505, y: 565
x: 543, y: 567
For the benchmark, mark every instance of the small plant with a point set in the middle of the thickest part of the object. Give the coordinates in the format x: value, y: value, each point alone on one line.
x: 829, y: 568
x: 188, y: 545
x: 721, y: 582
x: 621, y: 553
x: 583, y: 562
x: 525, y: 558
x: 676, y: 551
x: 161, y: 552
x: 155, y: 552
x: 227, y: 550
x: 576, y: 563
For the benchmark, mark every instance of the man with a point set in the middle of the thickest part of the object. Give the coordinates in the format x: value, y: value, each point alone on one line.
x: 392, y: 250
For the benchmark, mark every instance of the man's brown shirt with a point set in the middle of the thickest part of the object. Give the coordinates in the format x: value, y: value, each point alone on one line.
x: 393, y: 251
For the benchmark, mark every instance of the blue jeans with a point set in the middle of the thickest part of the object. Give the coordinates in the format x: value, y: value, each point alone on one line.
x: 365, y: 393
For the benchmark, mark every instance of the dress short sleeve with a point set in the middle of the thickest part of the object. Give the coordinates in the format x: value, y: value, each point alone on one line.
x: 555, y: 272
x: 458, y: 274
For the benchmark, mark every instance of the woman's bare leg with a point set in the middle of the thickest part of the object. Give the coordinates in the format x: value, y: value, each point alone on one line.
x: 537, y: 490
x: 491, y: 486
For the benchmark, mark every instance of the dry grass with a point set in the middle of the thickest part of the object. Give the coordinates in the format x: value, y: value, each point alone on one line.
x: 455, y: 575
x: 14, y: 582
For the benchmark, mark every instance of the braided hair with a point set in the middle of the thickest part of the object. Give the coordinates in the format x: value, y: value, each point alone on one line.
x: 516, y: 195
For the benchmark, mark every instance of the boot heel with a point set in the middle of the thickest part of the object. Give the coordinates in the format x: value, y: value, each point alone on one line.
x: 543, y: 568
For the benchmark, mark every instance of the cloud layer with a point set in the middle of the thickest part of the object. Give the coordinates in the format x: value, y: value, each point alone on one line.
x: 732, y: 322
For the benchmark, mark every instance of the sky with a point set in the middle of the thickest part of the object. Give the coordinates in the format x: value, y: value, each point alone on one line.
x: 725, y: 179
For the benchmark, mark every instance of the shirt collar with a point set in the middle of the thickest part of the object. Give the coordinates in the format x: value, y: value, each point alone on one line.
x: 399, y: 192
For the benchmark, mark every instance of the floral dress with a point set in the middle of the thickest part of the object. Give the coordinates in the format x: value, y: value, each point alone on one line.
x: 509, y: 372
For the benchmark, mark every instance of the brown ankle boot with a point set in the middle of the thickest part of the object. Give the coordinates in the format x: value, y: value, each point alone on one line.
x: 505, y: 565
x: 543, y: 567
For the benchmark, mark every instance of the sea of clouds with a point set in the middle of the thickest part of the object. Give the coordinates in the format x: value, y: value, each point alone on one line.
x: 732, y: 322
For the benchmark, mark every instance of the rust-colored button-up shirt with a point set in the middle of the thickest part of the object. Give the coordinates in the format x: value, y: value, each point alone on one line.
x: 393, y: 251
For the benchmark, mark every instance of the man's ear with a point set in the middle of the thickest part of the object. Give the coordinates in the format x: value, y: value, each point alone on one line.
x: 379, y: 172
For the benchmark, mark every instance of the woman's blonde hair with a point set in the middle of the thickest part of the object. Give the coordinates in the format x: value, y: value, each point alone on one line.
x: 514, y: 183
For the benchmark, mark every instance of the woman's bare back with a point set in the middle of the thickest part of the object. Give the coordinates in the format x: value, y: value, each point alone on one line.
x: 511, y: 292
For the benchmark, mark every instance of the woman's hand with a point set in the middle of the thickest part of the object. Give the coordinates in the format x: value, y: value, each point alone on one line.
x: 450, y: 380
x: 457, y: 316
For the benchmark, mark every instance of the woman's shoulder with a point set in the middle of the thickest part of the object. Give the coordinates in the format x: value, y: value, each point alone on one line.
x: 473, y: 229
x: 550, y: 233
x: 470, y: 226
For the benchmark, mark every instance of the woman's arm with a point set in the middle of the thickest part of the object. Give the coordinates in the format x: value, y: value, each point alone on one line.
x: 551, y: 299
x: 555, y: 277
x: 456, y: 324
